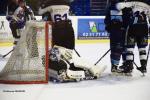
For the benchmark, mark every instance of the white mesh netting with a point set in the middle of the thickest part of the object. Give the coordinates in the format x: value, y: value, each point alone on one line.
x: 25, y: 64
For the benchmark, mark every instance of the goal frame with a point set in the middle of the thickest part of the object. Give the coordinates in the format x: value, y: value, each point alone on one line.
x: 46, y: 62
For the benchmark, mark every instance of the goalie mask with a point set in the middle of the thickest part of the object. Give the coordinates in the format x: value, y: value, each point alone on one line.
x: 54, y: 54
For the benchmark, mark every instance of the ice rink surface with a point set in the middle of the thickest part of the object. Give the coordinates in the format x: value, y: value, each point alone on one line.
x: 108, y: 87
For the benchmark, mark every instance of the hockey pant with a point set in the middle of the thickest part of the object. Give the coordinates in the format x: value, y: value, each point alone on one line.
x: 66, y: 55
x: 63, y: 34
x: 16, y: 32
x: 137, y: 34
x: 117, y: 36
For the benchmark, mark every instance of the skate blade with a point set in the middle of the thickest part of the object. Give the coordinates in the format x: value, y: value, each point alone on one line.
x: 120, y: 74
x: 143, y: 72
x: 127, y: 74
x: 1, y: 56
x: 143, y: 75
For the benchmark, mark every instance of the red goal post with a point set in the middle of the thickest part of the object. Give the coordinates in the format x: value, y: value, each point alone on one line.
x: 28, y: 63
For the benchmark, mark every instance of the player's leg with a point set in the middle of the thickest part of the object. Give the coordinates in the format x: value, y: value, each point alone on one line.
x: 63, y: 36
x: 130, y: 44
x: 116, y: 48
x: 123, y: 53
x: 14, y: 27
x: 63, y: 40
x: 142, y: 42
x: 61, y: 65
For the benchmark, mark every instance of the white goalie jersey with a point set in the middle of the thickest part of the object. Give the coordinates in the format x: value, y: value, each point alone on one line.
x: 57, y: 12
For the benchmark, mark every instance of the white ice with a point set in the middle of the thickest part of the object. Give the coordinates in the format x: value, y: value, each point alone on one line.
x: 106, y: 88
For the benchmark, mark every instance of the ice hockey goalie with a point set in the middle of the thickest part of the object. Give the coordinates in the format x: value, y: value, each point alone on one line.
x: 63, y: 67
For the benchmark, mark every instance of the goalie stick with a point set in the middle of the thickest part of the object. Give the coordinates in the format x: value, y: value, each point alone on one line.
x: 148, y: 54
x: 77, y: 52
x: 102, y: 57
x: 3, y: 56
x: 98, y: 60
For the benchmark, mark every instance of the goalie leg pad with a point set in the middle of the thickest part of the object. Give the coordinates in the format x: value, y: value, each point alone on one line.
x: 66, y: 75
x: 75, y: 74
x: 94, y: 70
x: 97, y: 70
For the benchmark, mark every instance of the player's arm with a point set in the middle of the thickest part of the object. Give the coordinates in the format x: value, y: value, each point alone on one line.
x: 29, y: 12
x: 107, y: 19
x: 123, y: 5
x: 44, y: 10
x: 18, y: 16
x: 11, y: 8
x: 46, y: 13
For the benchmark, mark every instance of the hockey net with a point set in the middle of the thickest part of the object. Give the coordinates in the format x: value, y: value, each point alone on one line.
x: 28, y: 63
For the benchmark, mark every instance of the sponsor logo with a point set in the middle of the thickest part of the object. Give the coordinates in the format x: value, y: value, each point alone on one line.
x: 91, y: 29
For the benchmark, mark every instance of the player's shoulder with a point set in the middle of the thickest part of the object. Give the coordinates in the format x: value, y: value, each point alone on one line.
x: 59, y: 6
x: 28, y: 7
x: 18, y: 9
x: 47, y: 3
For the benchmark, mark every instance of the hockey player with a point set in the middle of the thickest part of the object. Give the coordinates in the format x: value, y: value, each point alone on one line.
x: 63, y: 38
x: 137, y: 33
x: 17, y: 18
x: 11, y: 7
x: 114, y: 25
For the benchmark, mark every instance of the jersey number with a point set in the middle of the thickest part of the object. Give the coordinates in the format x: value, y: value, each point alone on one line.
x: 58, y: 17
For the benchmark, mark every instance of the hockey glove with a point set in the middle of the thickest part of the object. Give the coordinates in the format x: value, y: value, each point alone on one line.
x: 9, y: 18
x: 21, y: 24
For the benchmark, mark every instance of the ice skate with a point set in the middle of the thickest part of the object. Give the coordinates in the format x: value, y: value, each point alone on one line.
x: 123, y: 70
x: 117, y: 71
x: 114, y: 70
x: 126, y: 68
x: 142, y: 69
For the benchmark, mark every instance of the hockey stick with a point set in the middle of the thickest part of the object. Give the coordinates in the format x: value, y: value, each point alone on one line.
x: 102, y: 57
x: 77, y: 52
x: 148, y: 54
x: 3, y: 56
x: 135, y: 65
